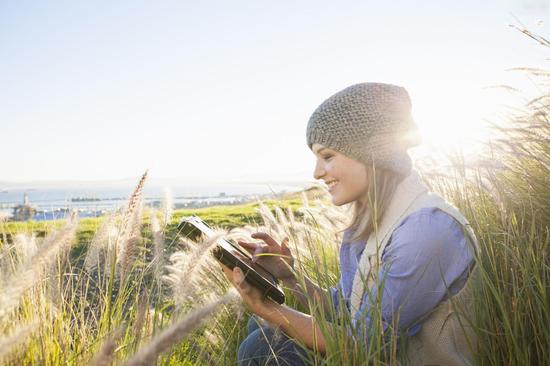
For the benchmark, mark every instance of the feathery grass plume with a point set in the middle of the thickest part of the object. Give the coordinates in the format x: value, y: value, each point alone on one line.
x: 3, y: 219
x: 142, y: 308
x: 99, y: 242
x: 7, y: 262
x: 212, y: 338
x: 323, y: 216
x: 178, y: 331
x: 127, y: 235
x: 155, y: 319
x: 290, y: 215
x: 323, y: 212
x: 299, y: 232
x: 297, y: 228
x: 244, y: 233
x: 158, y: 249
x: 186, y: 266
x: 274, y: 228
x: 18, y: 337
x: 540, y: 39
x: 167, y: 206
x: 17, y: 254
x: 130, y: 248
x: 54, y: 244
x: 305, y: 200
x: 104, y: 356
x: 281, y: 217
x: 241, y: 233
x: 25, y: 247
x: 185, y: 243
x: 110, y: 254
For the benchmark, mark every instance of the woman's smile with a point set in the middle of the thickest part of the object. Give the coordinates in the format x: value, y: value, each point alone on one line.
x: 345, y: 177
x: 331, y: 184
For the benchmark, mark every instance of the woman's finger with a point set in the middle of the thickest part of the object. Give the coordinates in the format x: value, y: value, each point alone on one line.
x: 284, y: 246
x: 238, y: 275
x: 228, y: 272
x: 249, y: 247
x: 256, y: 248
x: 261, y: 249
x: 266, y: 238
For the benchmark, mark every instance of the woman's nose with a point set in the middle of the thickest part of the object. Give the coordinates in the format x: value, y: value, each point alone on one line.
x: 319, y: 170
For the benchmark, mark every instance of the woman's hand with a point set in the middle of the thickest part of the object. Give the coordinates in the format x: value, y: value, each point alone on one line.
x: 251, y: 296
x: 294, y: 323
x: 274, y: 257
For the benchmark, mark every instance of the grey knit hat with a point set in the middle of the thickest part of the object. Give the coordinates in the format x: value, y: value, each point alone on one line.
x: 368, y: 122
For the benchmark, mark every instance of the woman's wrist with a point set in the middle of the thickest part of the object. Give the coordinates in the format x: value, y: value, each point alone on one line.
x: 289, y: 281
x: 267, y: 310
x: 263, y: 308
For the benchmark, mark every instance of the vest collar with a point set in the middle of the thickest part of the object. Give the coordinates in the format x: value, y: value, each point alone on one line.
x: 406, y: 193
x: 404, y: 197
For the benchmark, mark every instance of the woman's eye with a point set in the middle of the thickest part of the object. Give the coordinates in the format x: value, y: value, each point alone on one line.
x: 327, y: 157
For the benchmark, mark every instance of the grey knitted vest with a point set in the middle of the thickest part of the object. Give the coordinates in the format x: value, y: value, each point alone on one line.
x: 368, y: 122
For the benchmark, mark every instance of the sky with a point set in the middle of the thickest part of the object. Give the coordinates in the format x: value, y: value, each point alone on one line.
x: 214, y: 90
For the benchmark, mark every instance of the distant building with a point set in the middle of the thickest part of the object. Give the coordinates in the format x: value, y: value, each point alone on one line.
x: 25, y: 211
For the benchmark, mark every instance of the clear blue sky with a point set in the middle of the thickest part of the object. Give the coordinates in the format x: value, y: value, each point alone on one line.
x: 97, y: 90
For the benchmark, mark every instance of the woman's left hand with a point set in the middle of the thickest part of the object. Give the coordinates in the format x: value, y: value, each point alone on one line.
x: 251, y: 296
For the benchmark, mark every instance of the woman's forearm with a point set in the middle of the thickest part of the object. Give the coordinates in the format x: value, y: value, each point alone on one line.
x: 312, y: 292
x: 295, y: 324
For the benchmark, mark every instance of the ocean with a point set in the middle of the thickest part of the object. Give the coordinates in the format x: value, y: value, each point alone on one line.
x: 53, y: 203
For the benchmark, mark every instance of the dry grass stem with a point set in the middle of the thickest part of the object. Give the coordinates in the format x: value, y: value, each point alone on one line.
x: 167, y: 207
x: 104, y: 357
x: 99, y: 242
x: 25, y: 247
x: 186, y: 267
x: 177, y: 331
x: 158, y: 248
x: 54, y: 244
x: 18, y: 337
x: 130, y: 246
x: 130, y: 221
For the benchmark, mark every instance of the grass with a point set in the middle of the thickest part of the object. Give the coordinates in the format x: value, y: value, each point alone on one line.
x: 85, y: 307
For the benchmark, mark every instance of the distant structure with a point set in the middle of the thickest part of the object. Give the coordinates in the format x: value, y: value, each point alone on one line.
x: 25, y: 211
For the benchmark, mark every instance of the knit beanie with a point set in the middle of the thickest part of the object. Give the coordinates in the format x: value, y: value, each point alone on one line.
x: 368, y: 122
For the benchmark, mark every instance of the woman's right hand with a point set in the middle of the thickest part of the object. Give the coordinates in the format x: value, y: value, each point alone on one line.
x: 274, y: 257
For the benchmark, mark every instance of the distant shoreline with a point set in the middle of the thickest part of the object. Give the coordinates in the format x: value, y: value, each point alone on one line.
x: 94, y: 206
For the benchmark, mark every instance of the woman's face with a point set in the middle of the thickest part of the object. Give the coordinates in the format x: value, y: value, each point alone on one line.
x: 345, y: 177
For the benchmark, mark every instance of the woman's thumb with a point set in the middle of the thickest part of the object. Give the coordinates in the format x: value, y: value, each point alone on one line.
x: 284, y: 246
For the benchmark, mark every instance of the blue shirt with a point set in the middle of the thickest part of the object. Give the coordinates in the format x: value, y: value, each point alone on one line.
x: 426, y: 257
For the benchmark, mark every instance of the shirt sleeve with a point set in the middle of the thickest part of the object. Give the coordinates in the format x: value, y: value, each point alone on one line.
x: 426, y: 254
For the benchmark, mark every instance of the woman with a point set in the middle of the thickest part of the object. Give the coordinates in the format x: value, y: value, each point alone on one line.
x: 403, y: 241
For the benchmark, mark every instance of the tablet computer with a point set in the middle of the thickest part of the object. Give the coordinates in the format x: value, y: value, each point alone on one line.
x: 231, y: 255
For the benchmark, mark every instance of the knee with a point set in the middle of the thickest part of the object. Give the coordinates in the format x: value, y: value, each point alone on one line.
x: 267, y: 346
x: 256, y: 348
x: 253, y: 324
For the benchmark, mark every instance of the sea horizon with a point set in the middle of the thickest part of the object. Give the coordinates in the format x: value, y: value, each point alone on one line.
x: 95, y: 200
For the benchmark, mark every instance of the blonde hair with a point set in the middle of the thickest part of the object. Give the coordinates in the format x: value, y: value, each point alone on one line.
x: 368, y: 211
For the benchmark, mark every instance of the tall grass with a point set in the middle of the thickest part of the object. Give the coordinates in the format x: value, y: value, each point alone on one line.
x: 104, y: 307
x: 508, y: 204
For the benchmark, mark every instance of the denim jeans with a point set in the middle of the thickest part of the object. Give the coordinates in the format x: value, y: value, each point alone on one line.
x: 267, y: 346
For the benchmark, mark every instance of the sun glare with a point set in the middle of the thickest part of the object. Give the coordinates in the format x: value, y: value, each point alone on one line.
x: 455, y: 119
